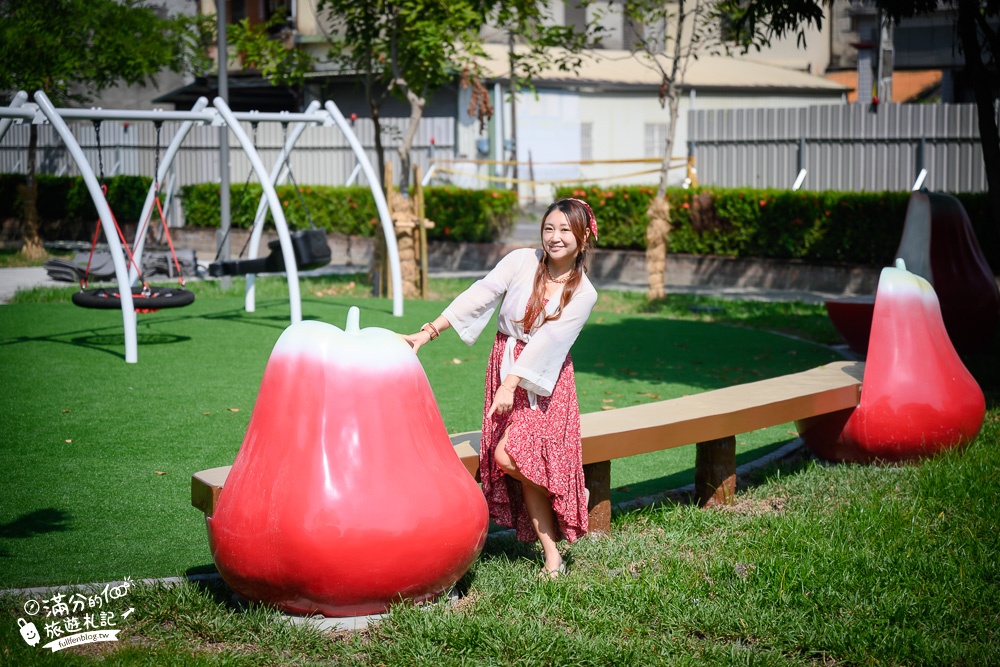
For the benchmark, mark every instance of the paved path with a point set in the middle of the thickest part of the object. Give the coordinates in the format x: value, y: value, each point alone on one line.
x: 11, y: 280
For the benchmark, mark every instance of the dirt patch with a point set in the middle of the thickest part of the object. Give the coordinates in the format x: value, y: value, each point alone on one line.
x: 744, y: 506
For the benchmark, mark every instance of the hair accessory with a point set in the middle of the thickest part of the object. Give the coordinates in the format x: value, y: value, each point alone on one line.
x: 590, y: 214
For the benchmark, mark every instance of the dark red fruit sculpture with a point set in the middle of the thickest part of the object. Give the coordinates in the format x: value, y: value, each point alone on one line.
x: 346, y: 495
x: 939, y: 245
x: 917, y: 397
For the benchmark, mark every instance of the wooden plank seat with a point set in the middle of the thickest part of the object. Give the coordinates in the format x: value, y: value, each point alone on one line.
x: 710, y: 420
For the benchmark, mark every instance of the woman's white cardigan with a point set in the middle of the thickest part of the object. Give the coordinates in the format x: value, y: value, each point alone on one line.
x: 547, y: 345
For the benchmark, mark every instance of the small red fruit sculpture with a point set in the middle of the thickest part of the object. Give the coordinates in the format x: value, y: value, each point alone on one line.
x: 938, y: 244
x: 346, y: 495
x: 917, y: 397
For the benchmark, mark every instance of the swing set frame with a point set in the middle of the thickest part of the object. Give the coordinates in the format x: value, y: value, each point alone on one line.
x: 41, y: 111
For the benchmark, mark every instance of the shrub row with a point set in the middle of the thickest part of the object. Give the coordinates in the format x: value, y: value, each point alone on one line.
x: 475, y: 216
x: 857, y: 228
x: 853, y: 227
x: 65, y: 208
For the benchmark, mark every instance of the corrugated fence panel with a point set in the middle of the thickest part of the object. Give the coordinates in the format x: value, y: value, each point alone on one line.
x: 847, y: 147
x: 322, y: 155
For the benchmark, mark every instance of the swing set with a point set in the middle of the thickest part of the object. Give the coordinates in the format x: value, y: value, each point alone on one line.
x: 151, y: 299
x: 131, y: 295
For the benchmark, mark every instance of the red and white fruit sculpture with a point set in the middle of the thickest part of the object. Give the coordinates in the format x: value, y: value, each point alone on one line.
x: 346, y: 495
x: 938, y: 244
x: 917, y: 397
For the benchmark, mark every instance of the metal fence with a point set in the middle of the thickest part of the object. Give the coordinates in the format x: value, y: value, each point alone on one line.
x: 322, y: 155
x: 841, y: 147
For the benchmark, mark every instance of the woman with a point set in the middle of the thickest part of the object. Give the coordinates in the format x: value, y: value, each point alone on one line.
x: 530, y: 462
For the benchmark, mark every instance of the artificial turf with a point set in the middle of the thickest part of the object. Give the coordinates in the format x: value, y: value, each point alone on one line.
x: 97, y: 453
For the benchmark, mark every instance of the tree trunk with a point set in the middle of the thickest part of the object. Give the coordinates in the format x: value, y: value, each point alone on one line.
x: 32, y: 248
x: 659, y: 212
x: 417, y: 103
x: 988, y: 132
x: 656, y: 246
x: 379, y: 148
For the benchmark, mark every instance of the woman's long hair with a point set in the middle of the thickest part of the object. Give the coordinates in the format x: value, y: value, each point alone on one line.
x: 578, y: 216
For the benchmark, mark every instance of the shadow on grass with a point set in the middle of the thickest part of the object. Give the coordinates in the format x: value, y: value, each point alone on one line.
x: 696, y: 354
x: 39, y: 522
x: 98, y: 341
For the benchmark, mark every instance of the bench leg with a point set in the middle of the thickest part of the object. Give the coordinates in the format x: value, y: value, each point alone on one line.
x: 715, y: 472
x: 598, y: 479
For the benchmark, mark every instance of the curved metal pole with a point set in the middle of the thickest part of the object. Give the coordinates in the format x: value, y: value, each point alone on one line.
x: 291, y: 270
x: 107, y: 222
x: 278, y: 173
x: 139, y: 242
x: 15, y: 103
x: 380, y: 204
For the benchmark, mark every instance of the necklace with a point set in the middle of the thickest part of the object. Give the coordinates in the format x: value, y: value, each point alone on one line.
x: 566, y: 276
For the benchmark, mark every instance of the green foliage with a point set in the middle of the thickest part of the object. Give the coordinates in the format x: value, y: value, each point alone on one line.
x: 474, y: 216
x: 478, y: 216
x: 73, y: 49
x: 345, y: 210
x: 851, y: 227
x: 67, y: 200
x: 257, y: 49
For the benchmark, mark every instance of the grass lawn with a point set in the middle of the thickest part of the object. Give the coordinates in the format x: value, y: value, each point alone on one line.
x: 98, y: 453
x: 815, y: 564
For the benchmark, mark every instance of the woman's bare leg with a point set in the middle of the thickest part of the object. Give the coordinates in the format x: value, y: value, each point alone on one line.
x: 538, y: 505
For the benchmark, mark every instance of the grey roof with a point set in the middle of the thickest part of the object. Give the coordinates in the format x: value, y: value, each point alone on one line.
x: 606, y: 68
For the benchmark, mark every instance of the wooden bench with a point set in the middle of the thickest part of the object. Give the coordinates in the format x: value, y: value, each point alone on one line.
x: 710, y: 420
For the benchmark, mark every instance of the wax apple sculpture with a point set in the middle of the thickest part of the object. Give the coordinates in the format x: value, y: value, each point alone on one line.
x: 938, y: 244
x: 917, y: 397
x: 346, y: 495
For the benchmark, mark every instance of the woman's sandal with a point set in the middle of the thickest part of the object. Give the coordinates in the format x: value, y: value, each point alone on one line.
x: 553, y: 574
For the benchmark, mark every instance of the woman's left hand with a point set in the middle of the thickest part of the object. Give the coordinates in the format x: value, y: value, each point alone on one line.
x: 503, y: 401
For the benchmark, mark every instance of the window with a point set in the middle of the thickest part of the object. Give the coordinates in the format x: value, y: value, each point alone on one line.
x: 656, y: 139
x: 586, y: 141
x: 575, y: 15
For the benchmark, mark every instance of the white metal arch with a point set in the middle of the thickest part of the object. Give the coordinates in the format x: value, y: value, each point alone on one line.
x: 21, y: 111
x: 278, y: 173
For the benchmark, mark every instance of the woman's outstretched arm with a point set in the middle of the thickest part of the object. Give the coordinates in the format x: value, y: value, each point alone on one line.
x: 428, y: 332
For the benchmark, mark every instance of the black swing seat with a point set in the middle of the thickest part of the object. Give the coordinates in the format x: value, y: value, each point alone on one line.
x: 157, y: 298
x: 309, y: 245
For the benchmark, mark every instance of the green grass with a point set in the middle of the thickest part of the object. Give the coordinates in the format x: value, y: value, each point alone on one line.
x: 98, y: 453
x: 814, y: 565
x: 15, y: 258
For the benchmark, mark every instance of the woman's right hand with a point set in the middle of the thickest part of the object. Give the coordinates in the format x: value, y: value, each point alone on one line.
x: 418, y: 340
x: 503, y: 401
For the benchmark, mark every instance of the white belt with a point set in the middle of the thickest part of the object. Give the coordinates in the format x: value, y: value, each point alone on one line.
x: 507, y: 363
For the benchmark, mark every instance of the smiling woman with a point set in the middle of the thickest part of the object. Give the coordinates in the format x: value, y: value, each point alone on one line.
x: 530, y: 460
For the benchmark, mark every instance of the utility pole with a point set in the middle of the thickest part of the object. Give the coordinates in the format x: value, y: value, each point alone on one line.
x: 222, y: 238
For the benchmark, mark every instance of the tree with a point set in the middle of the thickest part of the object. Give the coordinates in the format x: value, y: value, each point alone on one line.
x: 268, y: 47
x: 73, y: 49
x: 756, y: 22
x: 410, y: 48
x: 669, y: 35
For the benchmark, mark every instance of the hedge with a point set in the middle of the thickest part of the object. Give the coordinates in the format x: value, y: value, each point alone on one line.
x: 475, y: 216
x: 849, y: 227
x: 843, y: 227
x: 65, y: 208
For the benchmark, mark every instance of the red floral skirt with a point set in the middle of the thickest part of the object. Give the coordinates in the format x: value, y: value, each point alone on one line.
x: 545, y: 445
